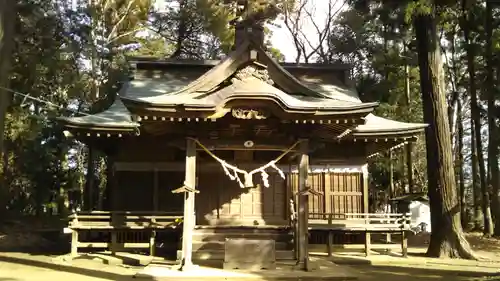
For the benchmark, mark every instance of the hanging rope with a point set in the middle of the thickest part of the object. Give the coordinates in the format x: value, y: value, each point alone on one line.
x: 234, y: 172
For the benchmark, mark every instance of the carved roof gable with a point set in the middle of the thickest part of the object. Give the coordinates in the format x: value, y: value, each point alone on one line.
x: 253, y: 71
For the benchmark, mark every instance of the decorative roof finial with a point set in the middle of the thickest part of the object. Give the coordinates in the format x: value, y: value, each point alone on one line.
x: 250, y: 19
x: 256, y: 12
x: 242, y: 10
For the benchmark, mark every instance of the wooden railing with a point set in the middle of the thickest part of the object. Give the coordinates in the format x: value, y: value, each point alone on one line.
x: 114, y: 221
x: 366, y: 223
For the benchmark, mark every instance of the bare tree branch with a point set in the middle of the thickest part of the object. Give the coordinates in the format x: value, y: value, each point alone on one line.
x: 304, y: 11
x: 124, y: 16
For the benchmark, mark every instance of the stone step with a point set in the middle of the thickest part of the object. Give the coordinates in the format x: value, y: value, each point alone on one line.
x: 219, y: 245
x: 219, y: 255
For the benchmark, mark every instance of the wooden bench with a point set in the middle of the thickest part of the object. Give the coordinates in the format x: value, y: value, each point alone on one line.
x: 115, y: 221
x: 366, y: 223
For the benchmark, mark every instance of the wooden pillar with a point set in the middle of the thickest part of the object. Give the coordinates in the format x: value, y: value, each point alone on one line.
x: 189, y: 218
x: 114, y: 189
x: 366, y: 202
x: 110, y: 193
x: 88, y: 198
x: 113, y: 201
x: 409, y: 166
x: 303, y: 208
x: 152, y: 236
x: 327, y: 195
x: 391, y: 174
x: 391, y: 191
x: 155, y: 190
x: 366, y: 195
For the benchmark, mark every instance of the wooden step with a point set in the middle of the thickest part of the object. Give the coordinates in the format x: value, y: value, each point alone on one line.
x: 221, y: 237
x: 219, y: 255
x: 242, y: 229
x: 219, y: 245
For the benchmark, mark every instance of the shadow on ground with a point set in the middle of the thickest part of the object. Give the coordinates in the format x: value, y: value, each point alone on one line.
x: 108, y: 258
x: 93, y: 273
x: 414, y: 268
x: 365, y: 271
x: 479, y: 242
x: 390, y: 273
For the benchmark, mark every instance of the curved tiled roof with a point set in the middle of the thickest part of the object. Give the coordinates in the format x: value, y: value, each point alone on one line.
x: 305, y: 92
x: 375, y: 125
x: 154, y: 93
x: 116, y: 116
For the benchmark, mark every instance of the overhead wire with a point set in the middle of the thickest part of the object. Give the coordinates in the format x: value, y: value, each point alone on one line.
x: 27, y: 96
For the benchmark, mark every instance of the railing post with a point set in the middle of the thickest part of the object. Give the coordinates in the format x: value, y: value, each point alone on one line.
x: 74, y: 236
x: 75, y: 218
x: 367, y: 236
x: 114, y: 242
x: 152, y: 237
x: 389, y: 235
x: 404, y: 239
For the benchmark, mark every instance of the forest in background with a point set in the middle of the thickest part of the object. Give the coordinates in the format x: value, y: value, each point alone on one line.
x: 68, y: 58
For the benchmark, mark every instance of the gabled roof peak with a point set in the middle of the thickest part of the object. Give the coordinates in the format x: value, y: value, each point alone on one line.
x: 145, y: 62
x: 248, y: 57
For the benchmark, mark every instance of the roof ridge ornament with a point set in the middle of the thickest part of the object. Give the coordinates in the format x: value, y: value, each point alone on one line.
x: 256, y: 13
x: 250, y: 19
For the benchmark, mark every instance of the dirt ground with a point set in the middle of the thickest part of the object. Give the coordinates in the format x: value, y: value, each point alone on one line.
x: 27, y: 266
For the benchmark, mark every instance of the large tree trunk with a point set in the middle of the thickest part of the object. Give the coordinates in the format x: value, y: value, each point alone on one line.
x: 7, y: 24
x: 460, y: 163
x: 447, y: 238
x: 494, y: 173
x: 476, y: 184
x: 477, y: 150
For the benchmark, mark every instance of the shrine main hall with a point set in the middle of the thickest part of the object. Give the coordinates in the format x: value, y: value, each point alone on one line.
x: 242, y: 149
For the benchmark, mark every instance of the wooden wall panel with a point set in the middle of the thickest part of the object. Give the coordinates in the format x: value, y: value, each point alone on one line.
x: 168, y: 201
x: 135, y: 191
x: 345, y: 193
x: 275, y: 198
x: 224, y: 202
x: 230, y: 199
x: 317, y: 182
x: 342, y: 193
